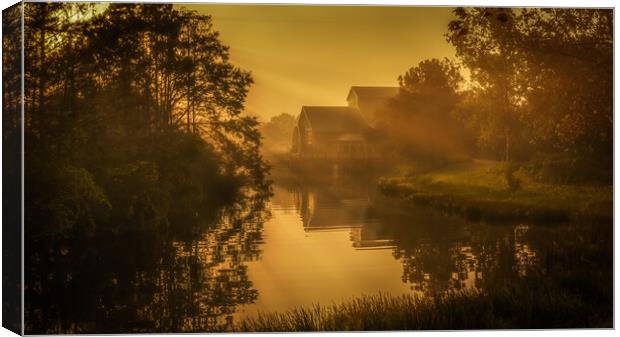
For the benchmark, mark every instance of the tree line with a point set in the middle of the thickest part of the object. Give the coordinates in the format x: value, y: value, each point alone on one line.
x: 136, y: 145
x: 133, y: 113
x: 538, y: 91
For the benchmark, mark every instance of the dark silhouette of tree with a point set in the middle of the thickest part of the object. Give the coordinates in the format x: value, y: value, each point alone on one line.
x: 137, y: 154
x: 11, y: 168
x: 485, y: 41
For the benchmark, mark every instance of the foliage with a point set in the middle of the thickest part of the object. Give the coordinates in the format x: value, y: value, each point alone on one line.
x: 12, y: 285
x: 562, y: 169
x: 541, y: 81
x: 278, y: 133
x: 418, y: 122
x: 134, y: 131
x: 135, y: 107
x: 514, y: 184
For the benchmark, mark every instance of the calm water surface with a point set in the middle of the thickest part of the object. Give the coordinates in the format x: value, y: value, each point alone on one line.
x: 331, y: 241
x: 321, y: 251
x: 309, y: 243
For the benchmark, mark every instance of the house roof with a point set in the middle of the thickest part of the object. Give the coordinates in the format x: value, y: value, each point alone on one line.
x: 334, y: 119
x: 374, y: 92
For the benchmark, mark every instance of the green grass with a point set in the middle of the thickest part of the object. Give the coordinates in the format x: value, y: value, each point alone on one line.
x: 479, y: 190
x: 525, y: 307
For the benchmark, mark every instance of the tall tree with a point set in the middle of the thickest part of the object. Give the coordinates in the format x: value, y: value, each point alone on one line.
x: 134, y: 124
x: 419, y: 119
x: 567, y: 80
x: 113, y: 93
x: 485, y: 41
x: 541, y: 78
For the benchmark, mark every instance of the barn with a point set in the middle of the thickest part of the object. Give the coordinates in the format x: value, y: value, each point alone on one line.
x: 331, y: 132
x: 341, y: 132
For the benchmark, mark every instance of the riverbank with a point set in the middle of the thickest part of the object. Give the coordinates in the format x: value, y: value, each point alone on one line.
x: 478, y: 191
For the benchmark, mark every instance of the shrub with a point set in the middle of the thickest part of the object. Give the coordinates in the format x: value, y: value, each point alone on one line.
x: 514, y: 184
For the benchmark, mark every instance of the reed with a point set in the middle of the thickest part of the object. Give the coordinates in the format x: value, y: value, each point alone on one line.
x: 523, y: 307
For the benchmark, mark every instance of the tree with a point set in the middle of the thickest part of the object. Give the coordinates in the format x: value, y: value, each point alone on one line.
x: 278, y: 132
x: 124, y: 88
x: 165, y: 69
x: 134, y: 131
x: 485, y: 41
x: 567, y: 82
x: 11, y: 167
x: 541, y: 79
x: 419, y: 119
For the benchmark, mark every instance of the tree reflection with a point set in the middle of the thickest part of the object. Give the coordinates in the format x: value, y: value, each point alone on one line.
x: 446, y: 253
x: 146, y: 280
x: 441, y: 253
x: 470, y: 257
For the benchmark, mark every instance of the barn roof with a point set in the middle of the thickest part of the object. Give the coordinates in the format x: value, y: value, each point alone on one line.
x: 374, y: 92
x: 334, y: 119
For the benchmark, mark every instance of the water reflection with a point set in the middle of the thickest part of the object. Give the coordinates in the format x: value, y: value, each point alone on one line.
x: 314, y: 242
x: 435, y: 252
x: 323, y: 245
x: 187, y: 280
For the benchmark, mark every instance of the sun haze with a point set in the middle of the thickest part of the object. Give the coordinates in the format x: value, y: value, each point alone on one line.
x: 312, y: 55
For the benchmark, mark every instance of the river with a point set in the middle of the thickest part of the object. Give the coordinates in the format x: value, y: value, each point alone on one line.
x: 309, y: 243
x: 327, y: 242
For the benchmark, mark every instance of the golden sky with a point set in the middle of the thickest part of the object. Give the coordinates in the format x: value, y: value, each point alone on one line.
x: 312, y: 55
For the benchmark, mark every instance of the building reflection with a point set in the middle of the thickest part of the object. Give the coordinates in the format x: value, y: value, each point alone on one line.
x: 438, y: 252
x: 371, y: 236
x: 343, y: 204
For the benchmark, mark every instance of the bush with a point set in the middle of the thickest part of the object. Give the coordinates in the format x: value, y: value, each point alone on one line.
x: 514, y: 184
x: 571, y: 170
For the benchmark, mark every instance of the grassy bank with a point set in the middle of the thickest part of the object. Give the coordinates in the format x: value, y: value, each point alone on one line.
x: 510, y: 308
x: 478, y: 190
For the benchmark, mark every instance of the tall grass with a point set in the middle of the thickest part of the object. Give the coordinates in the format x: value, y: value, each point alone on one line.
x: 509, y: 308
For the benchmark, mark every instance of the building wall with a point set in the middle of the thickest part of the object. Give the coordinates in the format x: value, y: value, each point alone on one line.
x: 353, y: 150
x: 303, y: 137
x: 325, y: 147
x: 321, y: 145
